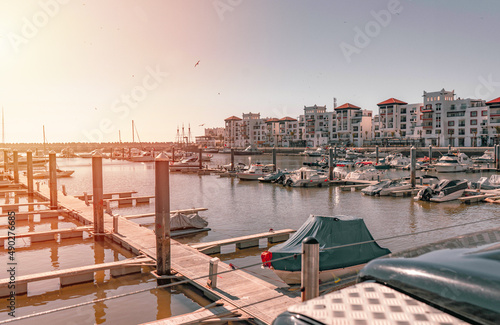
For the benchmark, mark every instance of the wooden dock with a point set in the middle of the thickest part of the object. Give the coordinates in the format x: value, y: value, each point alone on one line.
x: 145, y: 215
x: 255, y: 297
x: 244, y: 241
x: 49, y: 234
x: 405, y: 193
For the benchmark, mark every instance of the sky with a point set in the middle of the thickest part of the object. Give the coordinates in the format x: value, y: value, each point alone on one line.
x: 86, y: 69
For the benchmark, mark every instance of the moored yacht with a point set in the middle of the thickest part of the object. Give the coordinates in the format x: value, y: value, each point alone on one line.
x: 386, y: 187
x: 254, y: 172
x: 452, y: 163
x: 306, y: 177
x: 446, y: 190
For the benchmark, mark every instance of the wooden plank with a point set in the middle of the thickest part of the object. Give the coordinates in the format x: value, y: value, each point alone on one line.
x: 81, y: 197
x: 475, y: 198
x: 185, y: 211
x: 24, y: 204
x: 72, y: 272
x: 16, y: 191
x: 242, y: 239
x: 130, y: 198
x: 49, y: 233
x: 353, y: 187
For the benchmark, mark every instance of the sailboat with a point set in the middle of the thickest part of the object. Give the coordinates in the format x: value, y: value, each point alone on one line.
x: 143, y: 156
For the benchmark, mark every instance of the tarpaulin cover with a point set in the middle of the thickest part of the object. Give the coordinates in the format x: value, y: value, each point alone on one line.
x: 185, y: 221
x: 329, y: 232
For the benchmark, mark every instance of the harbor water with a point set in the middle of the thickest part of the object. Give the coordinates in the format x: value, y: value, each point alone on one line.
x: 235, y: 208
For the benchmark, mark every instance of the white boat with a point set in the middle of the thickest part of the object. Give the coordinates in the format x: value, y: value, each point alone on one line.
x: 485, y: 183
x: 254, y: 172
x: 399, y: 161
x: 59, y: 173
x: 352, y: 155
x: 487, y: 157
x: 306, y: 177
x: 250, y: 150
x: 366, y: 173
x: 315, y: 153
x: 446, y: 190
x: 451, y: 163
x: 386, y: 187
x: 373, y: 154
x: 185, y: 164
x: 142, y: 157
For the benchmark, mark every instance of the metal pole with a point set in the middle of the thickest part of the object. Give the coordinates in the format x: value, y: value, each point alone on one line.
x: 29, y: 171
x: 376, y: 155
x: 310, y: 268
x: 53, y: 180
x: 330, y: 163
x: 162, y: 215
x: 97, y: 193
x: 16, y: 166
x: 413, y: 157
x: 232, y: 159
x: 274, y: 159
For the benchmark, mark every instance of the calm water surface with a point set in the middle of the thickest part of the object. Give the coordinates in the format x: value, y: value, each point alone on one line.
x: 235, y: 208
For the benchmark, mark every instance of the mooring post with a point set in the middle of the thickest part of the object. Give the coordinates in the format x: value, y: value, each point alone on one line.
x: 85, y: 198
x: 413, y: 157
x: 310, y: 268
x: 162, y: 215
x: 38, y: 186
x: 200, y: 158
x: 430, y: 154
x: 376, y: 155
x: 29, y: 171
x: 5, y: 161
x: 335, y: 153
x: 115, y: 224
x: 449, y: 148
x: 97, y: 193
x: 123, y: 153
x: 212, y: 272
x: 64, y: 190
x: 16, y: 166
x: 497, y: 158
x: 53, y: 180
x: 108, y: 206
x: 330, y: 163
x: 232, y: 159
x: 173, y: 153
x: 274, y: 159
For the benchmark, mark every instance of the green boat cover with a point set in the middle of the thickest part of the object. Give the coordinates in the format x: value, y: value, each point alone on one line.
x: 329, y: 232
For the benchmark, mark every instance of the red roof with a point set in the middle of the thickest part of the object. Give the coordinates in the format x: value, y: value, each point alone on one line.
x: 494, y: 101
x: 348, y: 105
x: 233, y: 118
x: 288, y: 118
x: 392, y: 101
x: 272, y: 120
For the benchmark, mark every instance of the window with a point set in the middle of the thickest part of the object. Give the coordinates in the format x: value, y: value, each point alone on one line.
x: 463, y: 106
x: 452, y: 106
x: 473, y: 131
x: 484, y: 113
x: 461, y: 123
x: 473, y: 113
x: 461, y: 131
x: 451, y: 123
x: 438, y: 106
x: 438, y: 131
x: 473, y: 122
x: 428, y: 131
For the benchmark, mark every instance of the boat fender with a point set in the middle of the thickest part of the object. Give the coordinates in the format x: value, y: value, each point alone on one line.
x: 231, y: 265
x: 266, y: 258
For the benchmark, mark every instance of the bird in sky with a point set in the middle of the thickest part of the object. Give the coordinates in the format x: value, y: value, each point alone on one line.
x: 202, y: 124
x: 197, y: 63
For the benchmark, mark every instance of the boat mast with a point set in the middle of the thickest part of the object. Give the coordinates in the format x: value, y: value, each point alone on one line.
x: 133, y: 130
x: 120, y: 136
x: 44, y: 147
x: 3, y: 129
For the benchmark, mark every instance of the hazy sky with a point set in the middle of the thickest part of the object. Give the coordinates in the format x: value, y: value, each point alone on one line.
x: 85, y: 69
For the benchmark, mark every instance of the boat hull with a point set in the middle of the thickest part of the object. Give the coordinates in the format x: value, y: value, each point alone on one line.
x: 250, y: 177
x: 294, y: 277
x: 449, y: 197
x: 449, y: 168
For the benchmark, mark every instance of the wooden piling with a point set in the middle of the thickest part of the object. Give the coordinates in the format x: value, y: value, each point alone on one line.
x: 53, y: 180
x: 15, y: 158
x: 97, y: 200
x: 310, y: 269
x: 232, y: 159
x: 430, y: 154
x: 29, y: 171
x: 330, y: 163
x: 274, y: 159
x: 212, y: 272
x: 376, y: 155
x: 413, y: 157
x: 200, y: 157
x: 162, y: 215
x: 5, y: 161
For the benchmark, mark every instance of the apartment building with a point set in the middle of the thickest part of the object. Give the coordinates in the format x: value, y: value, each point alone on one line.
x: 397, y: 119
x: 281, y: 132
x: 447, y: 120
x: 352, y: 126
x: 315, y: 124
x: 490, y: 133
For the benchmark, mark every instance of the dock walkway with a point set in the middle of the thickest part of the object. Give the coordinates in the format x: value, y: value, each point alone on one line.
x: 257, y: 298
